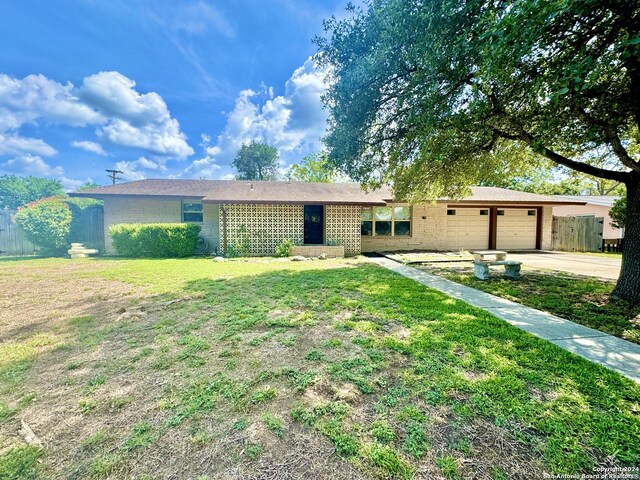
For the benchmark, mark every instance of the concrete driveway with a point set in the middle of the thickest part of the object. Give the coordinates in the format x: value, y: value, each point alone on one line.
x: 581, y: 264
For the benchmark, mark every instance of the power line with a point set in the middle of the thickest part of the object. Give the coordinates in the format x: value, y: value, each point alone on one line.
x: 113, y: 175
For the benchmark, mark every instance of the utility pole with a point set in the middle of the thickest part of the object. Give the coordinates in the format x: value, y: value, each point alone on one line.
x: 113, y: 175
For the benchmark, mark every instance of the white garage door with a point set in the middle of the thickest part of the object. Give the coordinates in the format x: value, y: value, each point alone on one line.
x: 467, y: 228
x: 516, y: 229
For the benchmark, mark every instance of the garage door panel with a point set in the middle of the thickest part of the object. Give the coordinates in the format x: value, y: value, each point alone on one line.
x: 516, y: 229
x: 467, y: 229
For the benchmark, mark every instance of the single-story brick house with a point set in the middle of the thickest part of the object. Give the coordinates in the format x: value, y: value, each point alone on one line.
x: 332, y: 213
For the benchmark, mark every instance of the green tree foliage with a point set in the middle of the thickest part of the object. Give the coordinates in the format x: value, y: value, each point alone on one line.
x: 256, y: 161
x: 88, y: 186
x: 618, y: 213
x: 17, y: 191
x: 155, y: 240
x: 432, y: 95
x: 47, y: 224
x: 314, y: 168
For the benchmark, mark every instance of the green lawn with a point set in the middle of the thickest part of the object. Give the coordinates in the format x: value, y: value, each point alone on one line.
x: 577, y: 298
x: 321, y: 369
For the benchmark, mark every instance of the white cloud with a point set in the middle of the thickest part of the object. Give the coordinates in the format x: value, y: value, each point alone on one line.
x: 200, y: 17
x: 92, y: 147
x: 138, y: 169
x: 294, y: 122
x: 36, y: 97
x: 162, y: 139
x: 107, y: 99
x: 136, y: 120
x: 15, y: 145
x: 115, y: 95
x: 31, y: 165
x: 34, y: 165
x: 206, y: 166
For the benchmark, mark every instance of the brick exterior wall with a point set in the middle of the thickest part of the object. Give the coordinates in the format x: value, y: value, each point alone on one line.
x: 151, y: 210
x: 430, y: 233
x: 268, y: 225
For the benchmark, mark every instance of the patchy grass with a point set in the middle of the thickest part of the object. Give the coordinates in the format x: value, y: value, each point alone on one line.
x: 583, y: 300
x: 268, y: 368
x: 20, y: 463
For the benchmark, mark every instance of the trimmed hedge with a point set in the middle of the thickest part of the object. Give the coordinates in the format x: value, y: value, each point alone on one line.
x: 155, y: 240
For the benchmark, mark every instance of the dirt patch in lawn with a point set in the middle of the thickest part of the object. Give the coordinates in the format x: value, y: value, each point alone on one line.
x: 33, y: 299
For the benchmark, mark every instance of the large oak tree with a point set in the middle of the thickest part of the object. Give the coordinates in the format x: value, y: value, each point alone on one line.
x: 429, y: 95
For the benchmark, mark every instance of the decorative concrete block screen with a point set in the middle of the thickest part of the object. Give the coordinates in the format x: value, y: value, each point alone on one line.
x: 266, y: 225
x: 343, y: 225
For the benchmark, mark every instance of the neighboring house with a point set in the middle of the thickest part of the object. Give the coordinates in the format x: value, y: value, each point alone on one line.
x: 333, y: 213
x: 596, y: 206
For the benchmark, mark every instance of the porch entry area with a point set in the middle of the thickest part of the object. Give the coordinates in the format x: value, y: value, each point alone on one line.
x: 313, y: 224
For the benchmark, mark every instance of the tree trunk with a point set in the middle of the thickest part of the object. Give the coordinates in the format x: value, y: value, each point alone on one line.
x: 628, y: 286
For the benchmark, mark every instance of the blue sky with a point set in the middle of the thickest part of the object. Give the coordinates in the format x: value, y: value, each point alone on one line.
x: 156, y: 88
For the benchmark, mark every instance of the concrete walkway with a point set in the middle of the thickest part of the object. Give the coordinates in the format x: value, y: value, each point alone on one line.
x: 598, y: 347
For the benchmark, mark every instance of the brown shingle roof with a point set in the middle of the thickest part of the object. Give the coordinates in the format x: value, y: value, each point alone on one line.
x: 505, y: 196
x: 239, y: 191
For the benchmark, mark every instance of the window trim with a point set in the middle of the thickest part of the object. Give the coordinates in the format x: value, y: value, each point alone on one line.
x: 183, y: 211
x: 392, y: 221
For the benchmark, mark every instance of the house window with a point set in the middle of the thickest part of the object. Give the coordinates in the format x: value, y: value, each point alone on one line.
x: 451, y: 212
x: 386, y: 222
x: 531, y: 213
x: 401, y: 221
x: 366, y: 225
x: 192, y: 212
x: 484, y: 212
x: 500, y: 212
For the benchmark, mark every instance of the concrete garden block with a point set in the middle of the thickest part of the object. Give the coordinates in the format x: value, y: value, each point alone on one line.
x: 315, y: 251
x: 511, y: 268
x: 481, y: 270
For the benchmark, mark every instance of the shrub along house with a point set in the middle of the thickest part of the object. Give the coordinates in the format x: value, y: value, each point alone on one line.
x: 260, y: 215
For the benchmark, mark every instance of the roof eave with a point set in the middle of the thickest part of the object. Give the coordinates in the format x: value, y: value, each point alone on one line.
x: 511, y: 202
x: 103, y: 196
x: 293, y: 202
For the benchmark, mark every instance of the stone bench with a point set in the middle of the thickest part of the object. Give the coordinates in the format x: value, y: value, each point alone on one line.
x: 481, y: 255
x: 78, y: 250
x: 511, y: 268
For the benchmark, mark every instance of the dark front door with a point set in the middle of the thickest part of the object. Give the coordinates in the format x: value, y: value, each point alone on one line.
x: 313, y: 224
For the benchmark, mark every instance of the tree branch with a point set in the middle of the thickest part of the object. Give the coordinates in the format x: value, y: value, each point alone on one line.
x: 612, y: 137
x: 562, y: 160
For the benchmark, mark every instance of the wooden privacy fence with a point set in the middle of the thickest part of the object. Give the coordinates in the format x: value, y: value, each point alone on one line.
x: 89, y: 229
x: 577, y: 234
x: 12, y: 239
